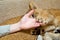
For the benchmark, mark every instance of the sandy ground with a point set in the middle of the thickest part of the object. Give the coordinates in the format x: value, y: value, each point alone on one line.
x: 14, y: 8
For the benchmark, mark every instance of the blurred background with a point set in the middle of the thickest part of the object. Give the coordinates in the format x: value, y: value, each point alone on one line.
x: 14, y: 8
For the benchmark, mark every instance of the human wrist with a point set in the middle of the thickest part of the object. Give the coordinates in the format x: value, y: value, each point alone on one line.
x: 15, y: 27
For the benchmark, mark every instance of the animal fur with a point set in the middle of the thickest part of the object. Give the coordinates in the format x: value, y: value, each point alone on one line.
x: 44, y: 16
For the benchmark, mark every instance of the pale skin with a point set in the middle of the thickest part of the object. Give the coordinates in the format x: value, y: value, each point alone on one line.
x: 25, y: 23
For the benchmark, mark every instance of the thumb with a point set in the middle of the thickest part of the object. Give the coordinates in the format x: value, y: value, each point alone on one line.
x: 29, y: 13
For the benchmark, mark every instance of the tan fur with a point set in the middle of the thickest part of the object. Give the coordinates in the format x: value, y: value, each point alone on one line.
x: 57, y: 21
x: 51, y: 36
x: 49, y: 20
x: 41, y: 15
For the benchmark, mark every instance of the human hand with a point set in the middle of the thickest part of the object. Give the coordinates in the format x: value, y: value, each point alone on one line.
x: 27, y: 22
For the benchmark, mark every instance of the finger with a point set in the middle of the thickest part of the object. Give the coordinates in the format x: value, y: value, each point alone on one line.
x: 29, y: 13
x: 37, y: 25
x: 40, y: 23
x: 33, y: 19
x: 37, y: 21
